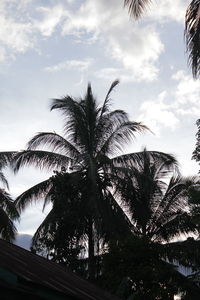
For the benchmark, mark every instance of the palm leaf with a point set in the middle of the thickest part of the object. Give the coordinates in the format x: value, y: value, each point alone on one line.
x: 104, y: 108
x: 192, y: 36
x: 135, y: 159
x: 55, y: 141
x: 6, y: 158
x: 36, y: 192
x: 120, y: 136
x: 136, y: 7
x: 7, y: 227
x: 4, y: 180
x: 40, y: 159
x: 8, y: 205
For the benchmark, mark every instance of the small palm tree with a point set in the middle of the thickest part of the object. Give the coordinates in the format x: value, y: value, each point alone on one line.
x: 192, y: 29
x: 158, y: 208
x: 8, y: 211
x: 93, y: 138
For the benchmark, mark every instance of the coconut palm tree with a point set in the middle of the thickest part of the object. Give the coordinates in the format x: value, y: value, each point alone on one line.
x: 192, y: 29
x: 93, y: 138
x: 158, y: 208
x: 8, y: 211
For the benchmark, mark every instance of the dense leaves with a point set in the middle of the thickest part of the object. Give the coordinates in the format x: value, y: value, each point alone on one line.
x: 143, y: 266
x: 8, y: 211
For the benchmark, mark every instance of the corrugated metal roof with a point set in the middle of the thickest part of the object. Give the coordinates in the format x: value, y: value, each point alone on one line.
x: 38, y: 270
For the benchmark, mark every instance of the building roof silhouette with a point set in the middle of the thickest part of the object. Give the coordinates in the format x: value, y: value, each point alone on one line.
x: 25, y: 275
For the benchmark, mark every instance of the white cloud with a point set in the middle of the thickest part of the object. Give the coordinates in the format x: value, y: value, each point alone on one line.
x: 187, y: 94
x: 52, y: 17
x: 168, y: 10
x: 156, y: 114
x: 22, y: 23
x: 136, y: 48
x: 80, y: 65
x: 184, y: 96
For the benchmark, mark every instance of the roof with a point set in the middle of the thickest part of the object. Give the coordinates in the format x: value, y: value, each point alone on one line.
x: 33, y: 273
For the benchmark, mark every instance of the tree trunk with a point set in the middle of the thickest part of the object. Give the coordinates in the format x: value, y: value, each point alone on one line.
x: 91, y: 257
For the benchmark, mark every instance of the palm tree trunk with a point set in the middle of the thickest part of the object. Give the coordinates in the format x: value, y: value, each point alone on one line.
x: 91, y: 257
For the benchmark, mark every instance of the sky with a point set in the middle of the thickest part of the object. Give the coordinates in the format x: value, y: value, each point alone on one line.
x: 53, y: 48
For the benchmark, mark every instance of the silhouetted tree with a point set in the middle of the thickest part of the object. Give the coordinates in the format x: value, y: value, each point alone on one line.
x: 93, y: 136
x: 158, y: 208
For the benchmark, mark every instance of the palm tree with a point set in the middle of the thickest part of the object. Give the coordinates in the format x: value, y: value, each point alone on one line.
x: 8, y: 211
x: 192, y: 29
x: 93, y: 136
x: 158, y: 208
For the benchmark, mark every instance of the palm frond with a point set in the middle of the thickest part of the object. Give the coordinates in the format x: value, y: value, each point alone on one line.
x: 36, y: 192
x: 6, y: 158
x: 55, y: 141
x: 7, y: 227
x: 136, y: 7
x: 43, y: 229
x: 4, y: 180
x: 135, y: 159
x: 104, y: 108
x: 8, y: 205
x: 192, y: 36
x: 178, y: 223
x: 185, y: 253
x: 76, y: 122
x: 40, y: 159
x: 120, y: 136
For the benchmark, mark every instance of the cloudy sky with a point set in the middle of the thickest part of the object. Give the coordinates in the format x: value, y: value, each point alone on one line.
x: 52, y: 48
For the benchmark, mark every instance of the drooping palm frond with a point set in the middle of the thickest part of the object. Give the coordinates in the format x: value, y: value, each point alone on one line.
x: 7, y: 204
x: 8, y: 213
x: 6, y: 158
x: 55, y: 142
x: 36, y: 192
x: 7, y: 227
x: 40, y: 159
x: 122, y: 135
x: 4, y: 180
x: 185, y: 253
x: 156, y: 157
x: 192, y: 36
x: 136, y: 7
x: 174, y: 200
